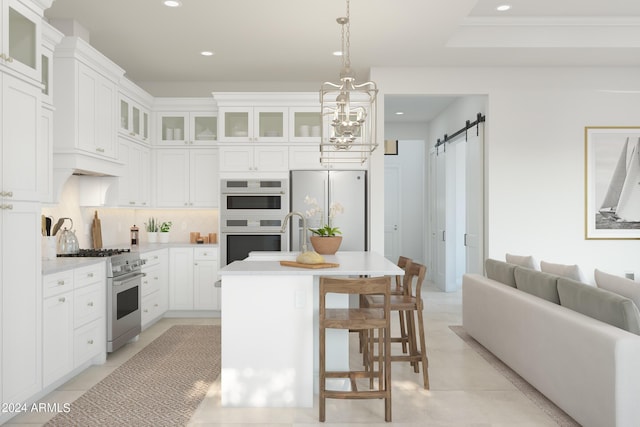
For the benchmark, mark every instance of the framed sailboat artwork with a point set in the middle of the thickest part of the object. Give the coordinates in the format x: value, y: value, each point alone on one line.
x: 612, y: 182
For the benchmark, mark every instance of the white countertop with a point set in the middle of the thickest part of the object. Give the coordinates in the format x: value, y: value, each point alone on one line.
x: 351, y: 263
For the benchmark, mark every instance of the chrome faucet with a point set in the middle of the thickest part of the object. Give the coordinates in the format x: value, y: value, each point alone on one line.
x: 304, y: 227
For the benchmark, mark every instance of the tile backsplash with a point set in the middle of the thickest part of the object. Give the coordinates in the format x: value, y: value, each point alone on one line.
x: 116, y: 222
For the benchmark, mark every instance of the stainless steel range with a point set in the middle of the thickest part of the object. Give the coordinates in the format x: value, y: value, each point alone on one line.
x: 124, y: 284
x: 124, y: 281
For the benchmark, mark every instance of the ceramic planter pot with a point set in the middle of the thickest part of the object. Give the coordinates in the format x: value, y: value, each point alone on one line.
x: 163, y: 237
x: 152, y: 236
x: 326, y: 245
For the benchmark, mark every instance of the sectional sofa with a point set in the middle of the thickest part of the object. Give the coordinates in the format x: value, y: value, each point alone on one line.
x: 576, y: 343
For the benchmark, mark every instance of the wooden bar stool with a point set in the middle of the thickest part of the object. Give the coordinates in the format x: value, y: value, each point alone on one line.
x: 360, y: 319
x: 411, y: 304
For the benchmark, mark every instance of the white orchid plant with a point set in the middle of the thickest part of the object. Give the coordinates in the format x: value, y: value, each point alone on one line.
x: 314, y: 209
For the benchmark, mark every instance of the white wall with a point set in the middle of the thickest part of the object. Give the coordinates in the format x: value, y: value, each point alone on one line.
x: 534, y: 150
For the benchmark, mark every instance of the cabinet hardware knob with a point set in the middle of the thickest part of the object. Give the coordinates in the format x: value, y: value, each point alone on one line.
x: 62, y: 299
x: 155, y: 257
x: 90, y: 275
x: 90, y: 342
x: 8, y: 194
x: 100, y: 150
x: 8, y: 207
x: 90, y: 304
x: 145, y: 310
x: 60, y: 282
x: 155, y: 278
x: 10, y: 59
x: 195, y: 263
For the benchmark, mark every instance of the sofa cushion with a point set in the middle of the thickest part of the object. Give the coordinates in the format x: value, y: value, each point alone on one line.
x: 619, y: 285
x: 522, y: 260
x: 500, y: 271
x: 542, y: 285
x: 564, y: 270
x: 599, y: 304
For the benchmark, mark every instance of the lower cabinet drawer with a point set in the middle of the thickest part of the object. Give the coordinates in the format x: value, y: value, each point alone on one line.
x: 150, y: 308
x: 88, y: 304
x: 89, y: 341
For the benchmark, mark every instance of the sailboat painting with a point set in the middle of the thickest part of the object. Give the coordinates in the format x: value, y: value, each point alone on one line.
x: 612, y: 159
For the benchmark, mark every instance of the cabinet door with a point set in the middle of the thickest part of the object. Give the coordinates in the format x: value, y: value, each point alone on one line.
x: 203, y: 128
x: 172, y: 178
x: 105, y: 120
x: 22, y: 163
x: 20, y: 300
x: 305, y: 124
x: 21, y: 38
x: 271, y: 124
x: 235, y: 124
x: 271, y: 159
x: 133, y: 185
x: 181, y: 279
x: 204, y: 183
x: 304, y: 157
x: 236, y: 158
x: 205, y: 274
x: 87, y: 86
x: 57, y: 340
x: 173, y: 129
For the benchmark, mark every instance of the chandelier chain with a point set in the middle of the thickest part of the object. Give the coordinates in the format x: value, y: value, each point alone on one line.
x: 348, y: 45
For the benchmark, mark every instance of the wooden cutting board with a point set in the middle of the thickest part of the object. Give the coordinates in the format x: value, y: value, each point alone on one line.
x: 96, y: 232
x: 301, y: 265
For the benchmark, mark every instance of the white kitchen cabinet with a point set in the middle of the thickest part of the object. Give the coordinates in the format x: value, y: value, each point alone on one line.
x: 74, y: 320
x: 57, y: 341
x: 23, y: 171
x: 254, y: 158
x: 304, y: 124
x: 87, y: 115
x: 192, y: 276
x: 134, y: 120
x: 155, y: 286
x: 134, y: 184
x: 186, y: 177
x: 181, y: 278
x: 21, y: 32
x: 254, y: 124
x: 20, y: 300
x: 187, y: 128
x: 205, y: 275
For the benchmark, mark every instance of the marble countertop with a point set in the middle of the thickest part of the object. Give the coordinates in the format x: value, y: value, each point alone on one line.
x: 351, y: 263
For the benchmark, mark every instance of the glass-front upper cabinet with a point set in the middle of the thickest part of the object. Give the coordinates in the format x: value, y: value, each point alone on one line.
x: 134, y: 120
x: 193, y: 128
x: 305, y: 124
x: 21, y: 38
x: 264, y: 124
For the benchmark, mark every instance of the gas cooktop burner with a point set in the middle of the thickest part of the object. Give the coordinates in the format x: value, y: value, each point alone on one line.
x: 96, y: 253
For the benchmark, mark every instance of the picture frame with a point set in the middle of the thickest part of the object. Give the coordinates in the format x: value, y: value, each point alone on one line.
x: 390, y: 147
x: 612, y: 190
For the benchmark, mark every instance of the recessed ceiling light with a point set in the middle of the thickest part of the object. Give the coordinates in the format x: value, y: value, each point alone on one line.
x: 206, y: 53
x: 337, y: 53
x: 172, y: 3
x: 399, y: 113
x: 503, y: 7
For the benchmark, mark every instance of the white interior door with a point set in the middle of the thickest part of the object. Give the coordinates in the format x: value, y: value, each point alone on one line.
x: 474, y: 234
x: 392, y: 212
x: 440, y: 273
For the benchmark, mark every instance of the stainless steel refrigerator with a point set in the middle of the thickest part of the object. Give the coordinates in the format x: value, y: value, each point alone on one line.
x: 346, y: 187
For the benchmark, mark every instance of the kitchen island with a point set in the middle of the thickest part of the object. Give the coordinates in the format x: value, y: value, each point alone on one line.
x: 270, y: 327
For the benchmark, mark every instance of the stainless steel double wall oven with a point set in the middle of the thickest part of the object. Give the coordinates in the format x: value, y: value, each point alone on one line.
x: 251, y: 217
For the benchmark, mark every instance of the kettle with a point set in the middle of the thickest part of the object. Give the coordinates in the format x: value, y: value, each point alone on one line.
x: 67, y: 241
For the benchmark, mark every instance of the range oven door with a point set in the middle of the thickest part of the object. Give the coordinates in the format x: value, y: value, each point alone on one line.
x: 124, y: 314
x: 236, y: 246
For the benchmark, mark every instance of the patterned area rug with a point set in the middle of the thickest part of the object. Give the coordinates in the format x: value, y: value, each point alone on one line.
x: 162, y: 385
x: 547, y: 406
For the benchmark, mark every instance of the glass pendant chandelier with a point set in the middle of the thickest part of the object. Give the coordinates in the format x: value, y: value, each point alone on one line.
x: 348, y: 111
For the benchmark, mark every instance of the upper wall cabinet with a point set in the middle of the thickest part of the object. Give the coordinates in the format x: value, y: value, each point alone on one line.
x: 50, y: 39
x: 268, y: 116
x: 254, y: 124
x: 86, y: 117
x: 185, y: 121
x: 134, y: 107
x: 21, y: 28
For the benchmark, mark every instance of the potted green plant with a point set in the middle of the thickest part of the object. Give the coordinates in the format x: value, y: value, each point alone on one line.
x: 152, y: 230
x: 164, y: 231
x: 325, y: 239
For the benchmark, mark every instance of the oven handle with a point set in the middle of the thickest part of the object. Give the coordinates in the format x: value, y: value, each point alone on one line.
x: 127, y: 279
